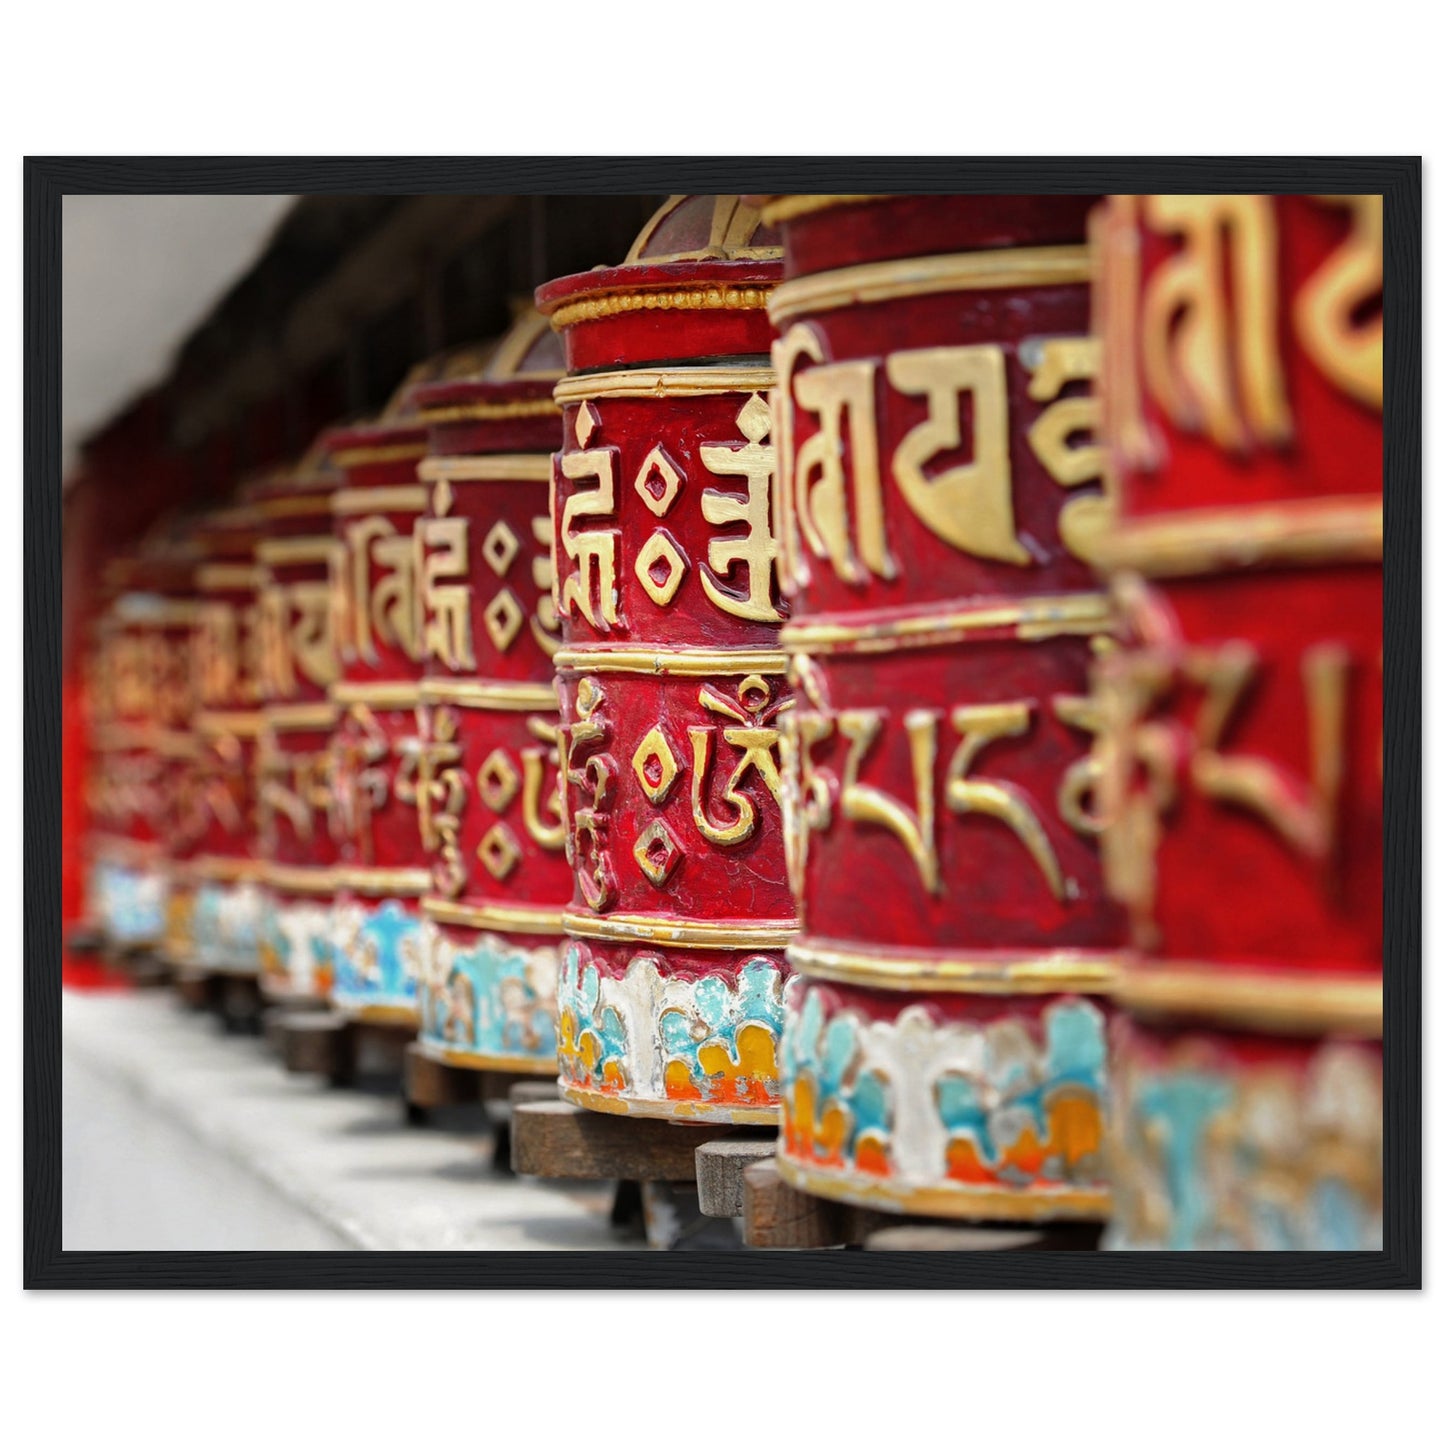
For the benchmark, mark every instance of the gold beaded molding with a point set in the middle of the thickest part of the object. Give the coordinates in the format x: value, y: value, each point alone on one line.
x: 706, y: 298
x: 671, y: 662
x: 679, y: 381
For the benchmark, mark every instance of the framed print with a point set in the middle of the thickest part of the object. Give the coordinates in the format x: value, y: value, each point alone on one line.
x: 723, y: 723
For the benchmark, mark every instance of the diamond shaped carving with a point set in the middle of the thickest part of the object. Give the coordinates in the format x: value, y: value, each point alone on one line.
x: 658, y: 481
x: 655, y: 765
x: 755, y: 420
x: 657, y: 852
x: 660, y: 554
x: 500, y: 548
x: 497, y: 780
x: 503, y: 619
x: 587, y: 422
x: 498, y: 851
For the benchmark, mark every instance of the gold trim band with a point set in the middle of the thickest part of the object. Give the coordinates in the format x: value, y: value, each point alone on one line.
x: 212, y: 869
x: 499, y: 696
x: 489, y: 411
x: 677, y: 662
x: 504, y: 917
x: 962, y: 1201
x: 789, y: 208
x: 696, y: 298
x: 175, y: 744
x: 487, y: 1063
x: 298, y: 878
x: 374, y: 456
x: 354, y: 500
x: 1278, y: 534
x: 1308, y: 1004
x: 681, y: 932
x: 236, y: 724
x: 697, y: 1111
x: 316, y: 505
x: 376, y: 694
x: 1065, y: 970
x: 1031, y: 619
x: 511, y: 467
x: 139, y: 608
x: 411, y: 882
x: 122, y: 737
x: 678, y: 381
x: 876, y: 281
x: 281, y: 551
x: 228, y: 577
x: 382, y: 1015
x: 294, y: 716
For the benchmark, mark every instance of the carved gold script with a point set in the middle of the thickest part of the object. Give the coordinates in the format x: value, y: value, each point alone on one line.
x: 756, y: 549
x: 1212, y: 367
x: 592, y: 588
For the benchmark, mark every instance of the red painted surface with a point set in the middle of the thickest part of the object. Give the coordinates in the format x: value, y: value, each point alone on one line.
x: 659, y: 482
x: 1233, y: 886
x: 945, y: 781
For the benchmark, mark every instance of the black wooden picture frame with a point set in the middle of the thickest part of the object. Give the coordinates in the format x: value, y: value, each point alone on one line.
x: 48, y: 1265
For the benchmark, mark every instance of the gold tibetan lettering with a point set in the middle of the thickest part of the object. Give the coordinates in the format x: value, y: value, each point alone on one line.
x: 969, y: 506
x: 979, y: 725
x: 1351, y: 354
x: 862, y: 803
x: 756, y: 549
x: 1213, y: 370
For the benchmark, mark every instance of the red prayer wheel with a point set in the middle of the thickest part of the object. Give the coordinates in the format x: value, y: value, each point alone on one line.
x: 940, y: 504
x: 300, y: 572
x: 484, y: 770
x: 381, y: 871
x: 670, y: 674
x: 1242, y: 754
x: 145, y: 744
x: 225, y: 918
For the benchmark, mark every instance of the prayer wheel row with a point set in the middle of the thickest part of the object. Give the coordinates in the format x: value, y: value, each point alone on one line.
x: 906, y: 668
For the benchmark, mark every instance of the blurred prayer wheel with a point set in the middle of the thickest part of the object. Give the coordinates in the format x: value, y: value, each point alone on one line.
x: 940, y: 502
x: 484, y: 769
x: 145, y: 745
x: 670, y: 674
x: 380, y: 872
x: 226, y: 917
x: 299, y: 565
x: 1242, y: 751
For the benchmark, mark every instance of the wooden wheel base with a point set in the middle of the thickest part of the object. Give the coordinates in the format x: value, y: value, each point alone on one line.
x: 234, y: 998
x: 777, y: 1216
x: 141, y: 967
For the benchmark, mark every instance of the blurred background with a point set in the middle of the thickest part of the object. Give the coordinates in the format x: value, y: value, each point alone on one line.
x: 206, y: 338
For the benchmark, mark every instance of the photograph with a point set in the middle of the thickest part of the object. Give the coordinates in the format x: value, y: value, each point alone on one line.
x: 631, y: 735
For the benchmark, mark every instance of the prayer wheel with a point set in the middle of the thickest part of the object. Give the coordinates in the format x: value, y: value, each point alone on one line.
x: 1241, y: 755
x: 226, y: 915
x: 483, y: 771
x: 144, y: 744
x: 940, y: 499
x: 299, y: 571
x: 670, y: 674
x: 381, y: 871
